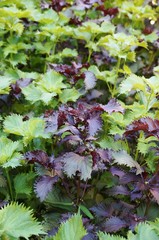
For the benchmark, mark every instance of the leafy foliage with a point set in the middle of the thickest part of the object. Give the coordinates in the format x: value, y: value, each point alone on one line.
x: 17, y: 221
x: 71, y: 229
x: 79, y: 84
x: 30, y: 129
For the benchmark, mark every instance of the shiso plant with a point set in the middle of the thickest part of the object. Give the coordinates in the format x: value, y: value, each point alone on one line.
x: 79, y: 114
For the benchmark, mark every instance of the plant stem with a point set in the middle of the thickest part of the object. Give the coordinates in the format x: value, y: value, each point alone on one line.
x: 9, y: 184
x: 84, y: 190
x: 117, y: 70
x: 136, y: 154
x: 89, y: 55
x: 147, y: 207
x: 127, y: 145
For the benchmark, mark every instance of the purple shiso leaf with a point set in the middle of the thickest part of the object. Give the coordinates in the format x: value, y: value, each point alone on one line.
x: 117, y: 190
x: 101, y: 210
x: 114, y: 224
x: 94, y: 125
x: 74, y: 162
x: 105, y: 154
x: 72, y: 139
x: 136, y: 195
x: 123, y: 158
x: 52, y: 123
x: 37, y: 156
x: 69, y: 128
x: 129, y: 177
x: 155, y: 193
x: 147, y: 125
x: 90, y: 236
x: 117, y: 171
x: 94, y: 94
x: 44, y: 185
x: 112, y: 106
x: 89, y: 80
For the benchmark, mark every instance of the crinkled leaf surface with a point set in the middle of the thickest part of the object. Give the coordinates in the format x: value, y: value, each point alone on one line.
x: 105, y: 236
x: 89, y: 80
x: 23, y: 183
x: 72, y: 229
x: 17, y: 221
x: 122, y: 157
x: 94, y: 125
x: 69, y: 95
x: 133, y: 82
x: 114, y: 224
x: 74, y: 162
x: 50, y: 84
x: 30, y: 129
x: 5, y: 84
x: 9, y: 157
x: 113, y: 106
x: 44, y: 185
x: 144, y: 231
x: 148, y: 125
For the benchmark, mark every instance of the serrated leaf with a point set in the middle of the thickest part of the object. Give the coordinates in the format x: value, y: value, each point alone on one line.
x: 37, y: 156
x: 72, y: 229
x: 9, y: 157
x: 155, y: 225
x: 94, y: 125
x: 32, y: 93
x: 114, y: 224
x: 101, y: 210
x: 145, y: 231
x: 118, y: 190
x: 155, y: 193
x: 89, y: 80
x: 74, y: 162
x: 30, y: 129
x: 52, y: 82
x: 123, y: 158
x: 105, y: 236
x: 46, y: 88
x: 14, y: 124
x: 147, y: 124
x: 17, y: 221
x: 4, y: 84
x: 113, y: 106
x: 133, y: 82
x: 44, y: 185
x: 69, y: 95
x: 23, y: 183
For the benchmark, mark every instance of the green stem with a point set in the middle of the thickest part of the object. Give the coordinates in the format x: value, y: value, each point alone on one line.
x: 136, y: 154
x: 9, y: 185
x: 54, y: 47
x: 127, y: 145
x: 117, y: 71
x: 89, y: 55
x: 148, y: 102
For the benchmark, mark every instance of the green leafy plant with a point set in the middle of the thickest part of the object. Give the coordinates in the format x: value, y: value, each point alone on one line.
x: 79, y: 119
x: 17, y: 221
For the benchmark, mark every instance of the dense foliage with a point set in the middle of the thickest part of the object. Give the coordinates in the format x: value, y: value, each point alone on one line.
x: 79, y: 134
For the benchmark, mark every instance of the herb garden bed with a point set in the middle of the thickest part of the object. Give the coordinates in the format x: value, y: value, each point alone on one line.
x: 79, y: 136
